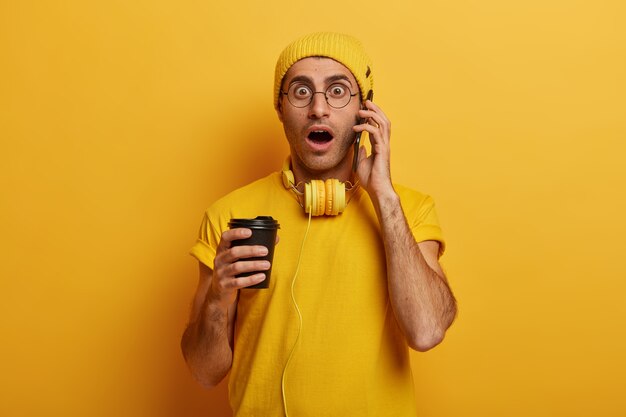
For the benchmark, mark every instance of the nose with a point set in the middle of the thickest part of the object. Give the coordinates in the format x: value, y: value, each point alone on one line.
x: 318, y: 108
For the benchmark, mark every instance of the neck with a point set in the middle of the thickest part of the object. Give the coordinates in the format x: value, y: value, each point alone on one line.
x: 342, y: 172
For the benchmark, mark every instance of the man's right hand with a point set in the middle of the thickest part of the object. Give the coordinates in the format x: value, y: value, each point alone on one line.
x: 231, y: 261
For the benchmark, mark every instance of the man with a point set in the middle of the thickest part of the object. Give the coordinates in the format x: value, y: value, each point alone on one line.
x: 335, y: 341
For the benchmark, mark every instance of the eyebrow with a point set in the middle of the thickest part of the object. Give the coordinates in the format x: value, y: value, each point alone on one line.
x: 328, y: 80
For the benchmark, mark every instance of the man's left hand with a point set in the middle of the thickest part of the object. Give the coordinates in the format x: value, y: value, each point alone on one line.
x: 373, y: 171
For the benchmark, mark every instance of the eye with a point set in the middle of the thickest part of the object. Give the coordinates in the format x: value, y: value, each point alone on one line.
x: 337, y: 90
x: 301, y: 91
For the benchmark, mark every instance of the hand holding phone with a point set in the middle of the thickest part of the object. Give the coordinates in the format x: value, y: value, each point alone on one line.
x: 357, y: 140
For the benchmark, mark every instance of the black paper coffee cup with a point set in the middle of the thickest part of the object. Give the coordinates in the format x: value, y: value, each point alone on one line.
x: 264, y: 230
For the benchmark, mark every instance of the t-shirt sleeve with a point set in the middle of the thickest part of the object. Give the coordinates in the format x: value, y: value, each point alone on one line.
x: 422, y: 218
x: 206, y: 245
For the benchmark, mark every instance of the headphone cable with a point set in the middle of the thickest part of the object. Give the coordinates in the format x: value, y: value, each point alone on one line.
x: 293, y: 298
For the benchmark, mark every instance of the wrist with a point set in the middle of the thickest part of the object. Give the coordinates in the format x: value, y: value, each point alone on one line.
x: 217, y: 302
x: 387, y: 205
x: 386, y: 200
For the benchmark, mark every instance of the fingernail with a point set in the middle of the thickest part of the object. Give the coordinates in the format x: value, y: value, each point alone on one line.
x: 263, y: 251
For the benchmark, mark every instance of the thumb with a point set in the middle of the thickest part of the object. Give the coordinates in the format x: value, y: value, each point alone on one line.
x: 364, y: 165
x: 362, y: 153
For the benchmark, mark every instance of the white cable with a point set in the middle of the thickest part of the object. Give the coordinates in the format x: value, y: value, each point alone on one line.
x: 293, y: 298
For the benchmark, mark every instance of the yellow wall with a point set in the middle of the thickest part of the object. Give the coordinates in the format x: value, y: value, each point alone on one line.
x: 120, y: 121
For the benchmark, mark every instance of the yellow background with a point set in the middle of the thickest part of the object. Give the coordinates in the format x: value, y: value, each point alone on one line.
x: 120, y: 121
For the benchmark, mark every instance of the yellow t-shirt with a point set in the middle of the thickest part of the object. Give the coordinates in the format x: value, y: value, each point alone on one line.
x: 351, y: 359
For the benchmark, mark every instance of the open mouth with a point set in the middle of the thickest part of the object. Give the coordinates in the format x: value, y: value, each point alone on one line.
x: 320, y: 136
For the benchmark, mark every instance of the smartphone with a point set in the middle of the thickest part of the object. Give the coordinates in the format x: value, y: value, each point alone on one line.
x: 357, y: 139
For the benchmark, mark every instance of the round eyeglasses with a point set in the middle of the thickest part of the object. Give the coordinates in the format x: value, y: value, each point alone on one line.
x: 301, y: 95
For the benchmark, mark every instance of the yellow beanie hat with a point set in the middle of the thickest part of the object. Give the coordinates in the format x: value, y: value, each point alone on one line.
x: 344, y: 49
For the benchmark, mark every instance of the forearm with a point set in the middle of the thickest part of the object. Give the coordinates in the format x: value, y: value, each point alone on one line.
x: 421, y: 299
x: 206, y: 345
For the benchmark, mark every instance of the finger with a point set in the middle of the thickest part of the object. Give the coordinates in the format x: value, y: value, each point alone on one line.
x: 376, y: 112
x: 244, y: 267
x: 225, y: 277
x: 364, y: 165
x: 379, y: 142
x: 379, y: 132
x: 232, y: 283
x: 232, y: 234
x: 236, y: 253
x: 242, y: 282
x: 375, y: 134
x: 374, y: 119
x: 362, y: 154
x: 375, y: 108
x: 245, y: 251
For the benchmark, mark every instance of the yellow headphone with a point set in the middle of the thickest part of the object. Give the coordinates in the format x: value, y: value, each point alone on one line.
x: 320, y: 197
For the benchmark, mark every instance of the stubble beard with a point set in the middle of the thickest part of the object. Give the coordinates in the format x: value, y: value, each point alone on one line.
x: 323, y: 165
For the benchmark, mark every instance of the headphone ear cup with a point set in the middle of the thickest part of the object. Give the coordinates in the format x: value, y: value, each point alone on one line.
x: 339, y: 197
x: 308, y: 197
x: 330, y: 196
x: 335, y: 197
x: 288, y: 178
x: 320, y: 201
x: 324, y: 197
x: 314, y: 197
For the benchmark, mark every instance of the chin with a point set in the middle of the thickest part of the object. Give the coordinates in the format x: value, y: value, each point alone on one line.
x: 322, y: 166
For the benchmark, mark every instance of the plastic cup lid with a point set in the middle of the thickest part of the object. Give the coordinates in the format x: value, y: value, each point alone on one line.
x: 260, y: 222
